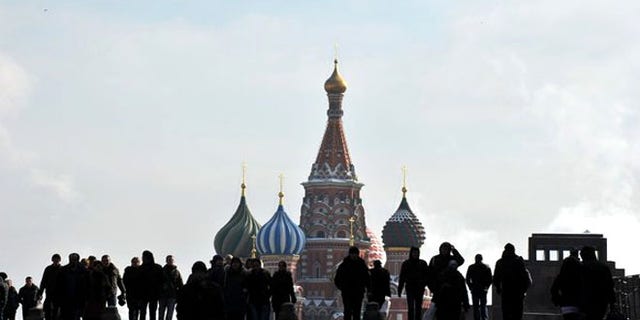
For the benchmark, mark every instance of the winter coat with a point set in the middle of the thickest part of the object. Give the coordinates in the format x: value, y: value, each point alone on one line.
x: 132, y: 280
x: 479, y: 277
x: 216, y: 274
x: 511, y: 276
x: 13, y: 301
x: 200, y: 299
x: 452, y: 295
x: 152, y: 281
x: 28, y: 296
x: 380, y: 283
x: 597, y: 287
x: 258, y: 286
x: 4, y: 293
x: 173, y: 281
x: 98, y: 290
x: 414, y: 273
x: 114, y: 279
x: 71, y: 285
x: 235, y: 293
x: 352, y: 277
x: 438, y: 264
x: 282, y: 288
x: 49, y: 280
x: 567, y: 286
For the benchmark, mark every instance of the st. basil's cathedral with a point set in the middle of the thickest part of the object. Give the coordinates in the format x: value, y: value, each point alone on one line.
x: 332, y: 218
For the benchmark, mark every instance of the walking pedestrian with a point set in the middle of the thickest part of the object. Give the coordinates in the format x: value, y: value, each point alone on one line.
x: 172, y: 284
x: 352, y: 279
x: 597, y: 285
x: 380, y: 284
x: 414, y: 275
x: 511, y: 280
x: 479, y: 280
x: 132, y: 280
x: 281, y: 288
x: 48, y: 282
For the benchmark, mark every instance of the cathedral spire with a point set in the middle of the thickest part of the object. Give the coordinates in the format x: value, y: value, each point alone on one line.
x: 333, y: 160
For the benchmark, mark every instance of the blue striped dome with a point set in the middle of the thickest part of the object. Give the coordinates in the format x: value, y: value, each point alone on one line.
x: 280, y: 236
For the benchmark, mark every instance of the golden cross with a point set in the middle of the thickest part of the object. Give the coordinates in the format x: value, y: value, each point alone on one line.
x: 244, y: 171
x: 244, y: 176
x: 352, y: 241
x: 404, y: 180
x: 281, y: 193
x: 253, y: 247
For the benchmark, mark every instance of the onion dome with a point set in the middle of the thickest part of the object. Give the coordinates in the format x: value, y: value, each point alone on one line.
x: 235, y: 237
x: 335, y: 83
x: 376, y: 251
x: 403, y: 229
x: 280, y: 235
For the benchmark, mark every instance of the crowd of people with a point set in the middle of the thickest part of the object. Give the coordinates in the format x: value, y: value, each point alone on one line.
x: 86, y: 288
x: 583, y: 289
x: 231, y: 290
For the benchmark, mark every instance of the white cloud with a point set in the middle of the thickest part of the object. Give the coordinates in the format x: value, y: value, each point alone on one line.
x: 15, y: 84
x: 16, y: 88
x: 61, y: 185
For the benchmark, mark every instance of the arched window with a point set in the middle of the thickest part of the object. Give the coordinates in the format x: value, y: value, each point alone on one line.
x: 320, y: 234
x: 342, y: 234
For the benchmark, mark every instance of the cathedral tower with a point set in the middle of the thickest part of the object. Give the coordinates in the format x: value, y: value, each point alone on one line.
x: 332, y: 216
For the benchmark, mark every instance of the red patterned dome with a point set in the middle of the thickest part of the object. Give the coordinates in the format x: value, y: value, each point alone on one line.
x: 376, y: 250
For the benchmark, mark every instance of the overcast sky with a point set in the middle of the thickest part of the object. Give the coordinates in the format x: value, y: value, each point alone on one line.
x: 123, y: 124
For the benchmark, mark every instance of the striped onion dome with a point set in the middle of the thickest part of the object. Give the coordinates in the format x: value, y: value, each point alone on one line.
x: 403, y: 229
x: 376, y: 251
x: 235, y: 237
x: 280, y: 235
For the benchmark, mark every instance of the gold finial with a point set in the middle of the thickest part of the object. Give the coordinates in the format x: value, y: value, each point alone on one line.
x: 352, y: 238
x: 253, y: 247
x: 281, y: 193
x: 404, y: 181
x: 243, y: 186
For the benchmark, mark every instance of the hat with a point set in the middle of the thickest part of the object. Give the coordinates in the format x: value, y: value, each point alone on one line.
x: 354, y: 250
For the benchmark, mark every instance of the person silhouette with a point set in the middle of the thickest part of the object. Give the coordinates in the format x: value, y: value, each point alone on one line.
x: 511, y: 280
x: 352, y: 279
x: 479, y: 280
x: 414, y: 276
x: 597, y: 285
x: 380, y: 283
